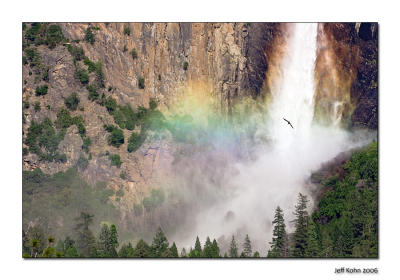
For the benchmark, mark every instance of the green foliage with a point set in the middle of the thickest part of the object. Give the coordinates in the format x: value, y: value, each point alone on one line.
x: 37, y: 106
x: 247, y: 251
x: 127, y: 31
x: 160, y: 244
x: 86, y: 241
x: 110, y: 104
x: 116, y: 137
x: 83, y: 76
x: 233, y: 250
x: 93, y: 94
x: 134, y: 53
x: 278, y: 243
x: 42, y: 90
x: 89, y: 36
x: 86, y: 143
x: 97, y: 69
x: 46, y: 34
x: 54, y: 36
x: 25, y: 104
x: 185, y: 65
x: 122, y: 175
x: 77, y: 52
x: 72, y: 101
x: 43, y: 140
x: 115, y: 160
x: 141, y: 83
x: 142, y: 250
x: 135, y: 141
x: 301, y: 221
x: 126, y: 251
x: 82, y: 162
x: 345, y: 225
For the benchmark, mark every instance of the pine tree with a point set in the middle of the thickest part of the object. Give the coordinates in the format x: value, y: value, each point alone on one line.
x: 278, y: 235
x: 86, y: 241
x: 183, y: 253
x: 256, y: 254
x: 142, y: 250
x: 247, y: 251
x: 174, y: 251
x: 207, y: 250
x: 107, y: 242
x: 215, y: 249
x: 126, y: 251
x: 114, y: 236
x: 233, y: 250
x: 197, y: 252
x: 160, y: 244
x: 301, y: 223
x: 313, y: 249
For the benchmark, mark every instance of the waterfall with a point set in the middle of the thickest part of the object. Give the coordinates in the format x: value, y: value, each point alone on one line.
x: 293, y: 90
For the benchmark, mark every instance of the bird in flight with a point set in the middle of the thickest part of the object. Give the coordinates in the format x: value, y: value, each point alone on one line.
x: 288, y: 123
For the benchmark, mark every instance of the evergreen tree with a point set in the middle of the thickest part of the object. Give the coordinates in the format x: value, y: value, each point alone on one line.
x: 256, y: 254
x: 142, y: 250
x: 313, y: 249
x: 233, y: 250
x: 301, y: 223
x: 215, y: 249
x: 247, y: 251
x: 160, y: 244
x: 197, y: 252
x: 106, y: 244
x: 183, y: 253
x: 174, y: 251
x: 208, y: 250
x: 126, y: 251
x: 278, y: 235
x: 114, y: 236
x: 86, y: 241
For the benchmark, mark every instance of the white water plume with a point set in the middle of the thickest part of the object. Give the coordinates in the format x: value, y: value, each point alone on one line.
x: 282, y: 169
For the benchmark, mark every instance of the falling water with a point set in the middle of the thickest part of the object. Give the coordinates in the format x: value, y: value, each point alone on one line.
x: 293, y: 92
x: 283, y: 169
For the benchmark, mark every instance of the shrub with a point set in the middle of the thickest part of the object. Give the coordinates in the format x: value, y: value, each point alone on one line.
x: 185, y: 65
x: 25, y: 104
x: 42, y: 90
x: 76, y: 52
x: 45, y: 74
x: 89, y: 36
x: 122, y: 175
x: 134, y: 53
x: 86, y: 143
x: 53, y: 36
x: 72, y: 101
x: 159, y: 77
x: 152, y: 104
x: 127, y: 30
x: 24, y: 60
x: 110, y: 104
x: 135, y: 141
x: 37, y: 106
x: 93, y: 94
x: 141, y: 83
x: 110, y: 88
x: 25, y: 151
x: 83, y: 76
x: 64, y: 119
x: 116, y: 137
x: 116, y: 160
x: 82, y: 162
x: 43, y: 140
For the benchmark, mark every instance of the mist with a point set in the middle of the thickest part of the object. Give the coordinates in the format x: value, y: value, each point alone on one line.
x: 235, y: 174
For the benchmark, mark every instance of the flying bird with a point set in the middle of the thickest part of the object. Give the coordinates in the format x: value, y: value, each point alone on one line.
x: 288, y: 123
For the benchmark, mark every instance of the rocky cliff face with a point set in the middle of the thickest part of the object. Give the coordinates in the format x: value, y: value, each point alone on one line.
x: 226, y: 57
x: 347, y: 72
